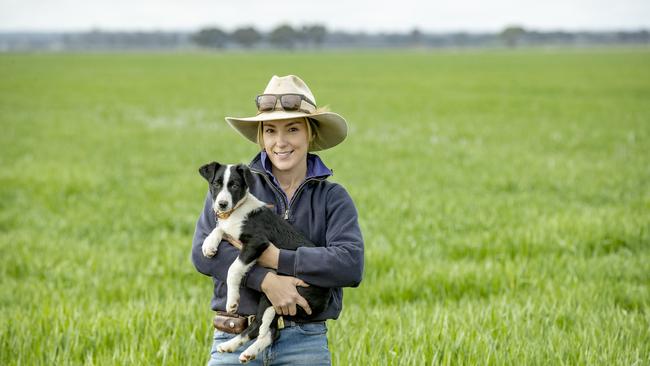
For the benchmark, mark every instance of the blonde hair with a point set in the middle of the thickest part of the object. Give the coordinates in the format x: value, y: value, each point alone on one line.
x: 311, y: 131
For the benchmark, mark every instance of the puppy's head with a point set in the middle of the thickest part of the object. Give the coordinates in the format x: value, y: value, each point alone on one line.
x: 229, y: 184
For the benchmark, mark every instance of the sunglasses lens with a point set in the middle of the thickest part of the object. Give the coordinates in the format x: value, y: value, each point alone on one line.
x: 266, y: 102
x: 290, y: 102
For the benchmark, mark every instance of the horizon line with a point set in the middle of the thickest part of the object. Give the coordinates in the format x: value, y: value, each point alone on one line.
x: 329, y: 30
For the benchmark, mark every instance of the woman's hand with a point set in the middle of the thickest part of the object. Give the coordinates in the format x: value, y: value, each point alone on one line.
x: 270, y: 257
x: 282, y: 292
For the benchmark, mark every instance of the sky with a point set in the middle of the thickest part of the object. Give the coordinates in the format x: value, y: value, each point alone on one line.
x: 346, y: 15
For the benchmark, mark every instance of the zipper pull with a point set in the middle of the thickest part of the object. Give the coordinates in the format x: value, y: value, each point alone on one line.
x: 286, y: 214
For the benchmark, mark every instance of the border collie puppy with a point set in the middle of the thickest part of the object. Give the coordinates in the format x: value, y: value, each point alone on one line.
x: 244, y: 217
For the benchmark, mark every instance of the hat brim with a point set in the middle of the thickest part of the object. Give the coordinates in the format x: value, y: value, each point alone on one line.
x: 332, y: 129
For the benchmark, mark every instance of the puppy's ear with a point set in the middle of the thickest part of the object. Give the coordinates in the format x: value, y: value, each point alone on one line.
x: 209, y: 170
x: 245, y: 172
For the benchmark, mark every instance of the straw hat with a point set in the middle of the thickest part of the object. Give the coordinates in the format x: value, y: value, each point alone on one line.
x: 331, y: 129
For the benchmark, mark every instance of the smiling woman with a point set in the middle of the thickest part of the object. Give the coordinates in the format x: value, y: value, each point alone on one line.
x: 286, y: 175
x: 286, y: 143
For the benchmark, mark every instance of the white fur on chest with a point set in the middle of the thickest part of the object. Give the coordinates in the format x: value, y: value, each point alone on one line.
x: 233, y: 224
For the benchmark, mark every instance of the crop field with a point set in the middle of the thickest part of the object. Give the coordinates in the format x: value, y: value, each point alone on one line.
x: 504, y: 198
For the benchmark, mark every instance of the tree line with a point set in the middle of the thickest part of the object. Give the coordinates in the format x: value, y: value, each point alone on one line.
x: 287, y: 37
x: 309, y: 37
x: 282, y: 36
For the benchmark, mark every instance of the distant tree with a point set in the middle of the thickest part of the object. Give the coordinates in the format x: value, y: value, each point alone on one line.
x: 415, y: 36
x: 314, y: 34
x: 283, y: 36
x: 210, y: 37
x: 512, y: 35
x: 246, y: 36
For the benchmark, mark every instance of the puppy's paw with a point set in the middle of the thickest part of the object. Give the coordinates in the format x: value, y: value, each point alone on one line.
x: 232, y: 305
x: 226, y: 347
x: 210, y: 245
x: 209, y: 249
x: 246, y: 357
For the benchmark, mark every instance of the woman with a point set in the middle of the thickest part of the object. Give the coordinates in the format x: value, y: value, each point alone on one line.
x: 287, y: 126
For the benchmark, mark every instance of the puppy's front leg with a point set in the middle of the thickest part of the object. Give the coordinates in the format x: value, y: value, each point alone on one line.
x: 211, y: 242
x: 236, y: 272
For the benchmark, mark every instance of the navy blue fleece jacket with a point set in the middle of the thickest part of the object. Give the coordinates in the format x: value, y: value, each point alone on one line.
x: 323, y: 211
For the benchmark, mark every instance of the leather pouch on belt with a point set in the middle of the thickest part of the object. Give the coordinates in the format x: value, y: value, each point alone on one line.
x: 230, y: 323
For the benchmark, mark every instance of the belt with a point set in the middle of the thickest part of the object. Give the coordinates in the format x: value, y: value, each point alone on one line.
x: 236, y: 324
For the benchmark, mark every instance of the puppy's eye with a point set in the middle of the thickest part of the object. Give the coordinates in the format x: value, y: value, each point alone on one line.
x: 234, y: 186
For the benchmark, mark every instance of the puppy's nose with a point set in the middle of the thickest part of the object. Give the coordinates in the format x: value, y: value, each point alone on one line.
x: 223, y: 204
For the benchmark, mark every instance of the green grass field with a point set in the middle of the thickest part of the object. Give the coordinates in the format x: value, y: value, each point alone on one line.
x: 504, y: 197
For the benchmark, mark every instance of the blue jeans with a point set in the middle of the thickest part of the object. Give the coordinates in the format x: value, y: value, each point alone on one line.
x: 303, y: 344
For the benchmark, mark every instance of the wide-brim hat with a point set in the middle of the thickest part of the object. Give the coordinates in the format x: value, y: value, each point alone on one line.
x: 330, y: 128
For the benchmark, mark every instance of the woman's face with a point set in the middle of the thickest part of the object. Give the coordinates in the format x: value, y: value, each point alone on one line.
x: 286, y: 142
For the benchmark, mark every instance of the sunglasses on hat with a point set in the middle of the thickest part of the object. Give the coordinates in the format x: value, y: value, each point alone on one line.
x: 289, y: 102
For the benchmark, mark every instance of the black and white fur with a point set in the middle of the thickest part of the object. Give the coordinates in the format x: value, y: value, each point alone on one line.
x: 255, y: 225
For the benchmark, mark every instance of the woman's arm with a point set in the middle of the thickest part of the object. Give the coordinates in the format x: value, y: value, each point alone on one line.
x: 218, y: 265
x: 340, y: 263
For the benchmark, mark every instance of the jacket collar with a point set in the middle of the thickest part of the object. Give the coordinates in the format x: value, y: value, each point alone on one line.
x: 315, y: 166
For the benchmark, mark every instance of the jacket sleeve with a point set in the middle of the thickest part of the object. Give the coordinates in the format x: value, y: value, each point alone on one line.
x: 340, y: 262
x: 218, y: 265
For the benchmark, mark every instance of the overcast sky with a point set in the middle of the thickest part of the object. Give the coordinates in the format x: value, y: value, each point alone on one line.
x: 349, y: 15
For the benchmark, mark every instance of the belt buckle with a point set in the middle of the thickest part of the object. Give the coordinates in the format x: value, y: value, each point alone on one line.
x: 280, y: 322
